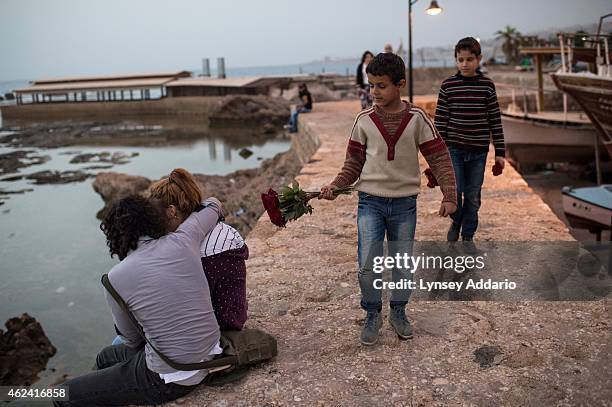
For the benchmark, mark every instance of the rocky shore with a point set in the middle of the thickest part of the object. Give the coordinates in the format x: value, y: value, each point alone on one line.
x: 24, y: 351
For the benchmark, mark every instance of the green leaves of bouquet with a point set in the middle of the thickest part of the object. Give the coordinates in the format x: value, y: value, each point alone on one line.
x: 294, y: 201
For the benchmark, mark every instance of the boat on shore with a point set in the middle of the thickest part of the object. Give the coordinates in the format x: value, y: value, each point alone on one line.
x: 590, y: 207
x: 594, y: 94
x: 544, y: 137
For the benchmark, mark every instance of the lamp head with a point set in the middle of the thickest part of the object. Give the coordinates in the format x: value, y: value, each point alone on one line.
x: 433, y: 9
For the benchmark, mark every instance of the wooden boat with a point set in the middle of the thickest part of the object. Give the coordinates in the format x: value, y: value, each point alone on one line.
x: 594, y: 94
x: 544, y: 137
x: 590, y: 207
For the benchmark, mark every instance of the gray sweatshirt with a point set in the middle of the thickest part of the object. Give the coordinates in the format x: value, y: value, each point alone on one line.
x: 163, y: 284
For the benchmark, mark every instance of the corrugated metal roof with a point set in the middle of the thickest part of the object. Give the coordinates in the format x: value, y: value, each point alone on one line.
x: 152, y: 75
x: 216, y: 82
x: 96, y: 85
x: 247, y: 81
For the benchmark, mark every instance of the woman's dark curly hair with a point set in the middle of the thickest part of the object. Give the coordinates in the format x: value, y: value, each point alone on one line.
x: 130, y: 218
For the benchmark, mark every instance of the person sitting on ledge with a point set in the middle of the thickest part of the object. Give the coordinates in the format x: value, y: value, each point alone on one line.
x: 305, y: 107
x: 160, y: 277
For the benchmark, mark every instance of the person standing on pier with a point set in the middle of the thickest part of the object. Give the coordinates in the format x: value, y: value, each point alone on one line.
x: 382, y: 158
x: 363, y: 88
x: 467, y: 117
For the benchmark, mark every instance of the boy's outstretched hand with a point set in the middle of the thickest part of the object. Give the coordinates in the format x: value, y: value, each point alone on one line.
x: 327, y: 192
x: 447, y: 208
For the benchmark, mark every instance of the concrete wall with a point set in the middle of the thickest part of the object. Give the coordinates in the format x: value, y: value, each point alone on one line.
x: 305, y: 143
x: 196, y: 106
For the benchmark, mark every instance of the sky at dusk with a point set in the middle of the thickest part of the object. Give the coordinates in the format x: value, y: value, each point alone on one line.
x: 40, y: 38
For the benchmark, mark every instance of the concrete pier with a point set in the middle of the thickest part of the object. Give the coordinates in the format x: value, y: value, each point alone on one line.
x: 302, y: 287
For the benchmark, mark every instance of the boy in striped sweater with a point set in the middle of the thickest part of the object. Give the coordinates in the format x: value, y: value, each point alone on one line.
x: 467, y: 117
x: 382, y: 161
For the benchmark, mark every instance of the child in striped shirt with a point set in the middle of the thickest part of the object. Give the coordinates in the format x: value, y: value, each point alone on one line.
x: 467, y: 117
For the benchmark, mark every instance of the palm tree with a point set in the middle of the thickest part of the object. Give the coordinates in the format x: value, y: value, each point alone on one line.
x: 511, y: 37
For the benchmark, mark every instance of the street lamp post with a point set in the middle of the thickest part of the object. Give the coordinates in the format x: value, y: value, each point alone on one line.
x: 432, y: 10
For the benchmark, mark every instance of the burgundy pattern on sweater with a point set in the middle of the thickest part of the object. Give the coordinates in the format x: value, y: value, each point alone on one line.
x: 468, y: 115
x: 390, y: 127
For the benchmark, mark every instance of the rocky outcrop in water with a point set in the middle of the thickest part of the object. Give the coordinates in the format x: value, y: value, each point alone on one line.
x: 14, y: 160
x: 113, y: 186
x: 103, y: 157
x: 239, y: 191
x: 24, y: 351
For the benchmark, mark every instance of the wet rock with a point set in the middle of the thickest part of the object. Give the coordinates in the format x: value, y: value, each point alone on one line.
x: 486, y: 355
x: 9, y: 96
x: 57, y: 177
x: 12, y: 178
x: 24, y: 351
x: 14, y: 160
x: 245, y: 153
x: 99, y: 167
x: 103, y: 157
x: 113, y: 186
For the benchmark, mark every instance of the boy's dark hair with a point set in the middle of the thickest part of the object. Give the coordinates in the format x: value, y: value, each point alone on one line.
x: 388, y: 64
x: 469, y: 44
x: 130, y: 218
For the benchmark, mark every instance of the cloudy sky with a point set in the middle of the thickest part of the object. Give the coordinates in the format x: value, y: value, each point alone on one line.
x: 49, y: 38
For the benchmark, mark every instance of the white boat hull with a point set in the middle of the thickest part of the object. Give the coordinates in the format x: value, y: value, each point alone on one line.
x: 586, y: 215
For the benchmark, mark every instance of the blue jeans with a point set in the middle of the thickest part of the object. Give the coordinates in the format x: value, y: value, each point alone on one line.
x: 293, y: 121
x: 377, y: 216
x: 469, y: 172
x: 118, y: 340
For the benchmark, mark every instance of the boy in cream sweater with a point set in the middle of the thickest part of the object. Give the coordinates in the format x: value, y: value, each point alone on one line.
x: 382, y: 158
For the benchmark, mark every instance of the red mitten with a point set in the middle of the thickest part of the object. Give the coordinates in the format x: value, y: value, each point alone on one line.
x: 431, y: 180
x: 497, y: 169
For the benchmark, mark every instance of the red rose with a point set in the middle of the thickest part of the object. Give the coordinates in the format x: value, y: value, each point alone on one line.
x: 272, y: 206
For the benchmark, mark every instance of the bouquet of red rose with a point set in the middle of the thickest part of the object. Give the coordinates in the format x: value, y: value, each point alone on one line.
x: 292, y: 202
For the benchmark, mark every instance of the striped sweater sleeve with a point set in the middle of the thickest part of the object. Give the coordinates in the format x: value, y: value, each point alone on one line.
x: 495, y: 123
x: 442, y: 112
x: 436, y: 154
x: 354, y: 159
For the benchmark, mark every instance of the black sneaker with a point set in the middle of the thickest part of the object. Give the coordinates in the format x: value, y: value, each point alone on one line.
x: 453, y: 232
x: 371, y: 326
x: 399, y: 322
